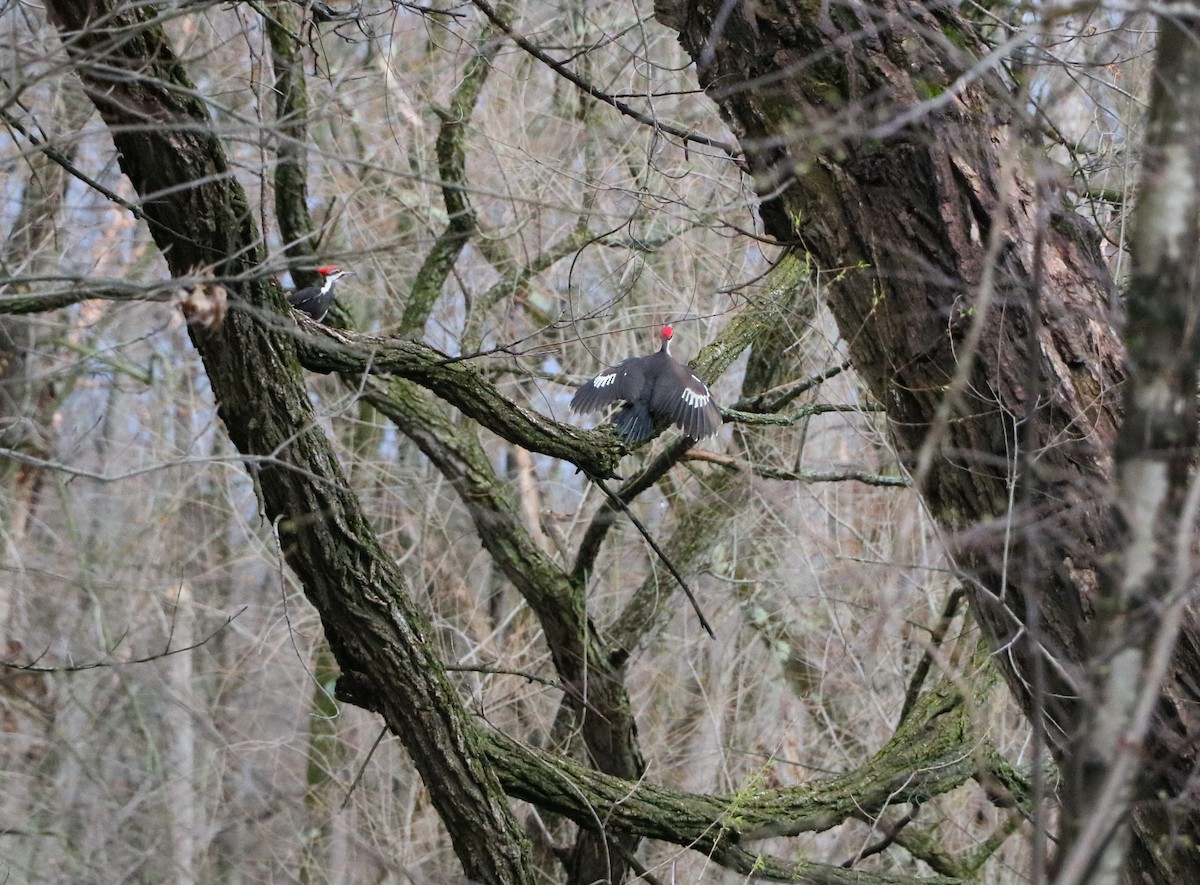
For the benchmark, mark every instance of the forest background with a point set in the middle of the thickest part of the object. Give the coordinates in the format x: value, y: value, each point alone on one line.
x: 269, y: 622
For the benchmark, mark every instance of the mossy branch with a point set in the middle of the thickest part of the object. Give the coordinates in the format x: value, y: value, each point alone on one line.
x: 590, y: 676
x: 934, y: 751
x: 327, y: 350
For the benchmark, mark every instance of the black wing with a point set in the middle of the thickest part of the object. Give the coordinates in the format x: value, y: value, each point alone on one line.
x: 686, y: 401
x: 616, y: 383
x: 311, y: 301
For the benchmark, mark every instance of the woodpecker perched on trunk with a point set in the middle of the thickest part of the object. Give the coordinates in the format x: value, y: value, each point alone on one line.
x: 653, y: 387
x: 316, y: 300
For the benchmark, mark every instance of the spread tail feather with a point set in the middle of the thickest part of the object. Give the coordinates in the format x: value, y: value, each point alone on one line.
x: 634, y: 423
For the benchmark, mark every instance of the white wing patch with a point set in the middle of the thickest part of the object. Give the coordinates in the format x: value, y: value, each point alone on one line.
x: 605, y: 380
x: 694, y: 398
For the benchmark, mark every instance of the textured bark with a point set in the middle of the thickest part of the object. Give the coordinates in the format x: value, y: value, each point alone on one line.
x: 942, y: 727
x: 199, y: 218
x: 592, y: 677
x: 978, y: 312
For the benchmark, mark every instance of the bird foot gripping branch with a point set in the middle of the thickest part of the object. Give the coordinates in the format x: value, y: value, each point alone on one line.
x: 653, y: 388
x: 316, y: 300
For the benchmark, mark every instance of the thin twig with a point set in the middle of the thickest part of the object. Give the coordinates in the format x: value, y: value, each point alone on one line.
x: 564, y: 71
x: 33, y: 667
x: 949, y: 610
x: 670, y: 566
x: 358, y: 775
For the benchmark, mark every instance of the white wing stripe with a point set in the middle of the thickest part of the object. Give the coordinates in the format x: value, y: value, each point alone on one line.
x: 694, y: 399
x: 605, y: 380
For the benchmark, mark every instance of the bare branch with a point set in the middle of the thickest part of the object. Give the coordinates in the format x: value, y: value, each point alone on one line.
x: 34, y: 667
x: 768, y: 472
x: 562, y: 70
x: 660, y: 553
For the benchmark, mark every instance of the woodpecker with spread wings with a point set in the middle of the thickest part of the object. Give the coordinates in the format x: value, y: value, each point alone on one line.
x: 652, y: 388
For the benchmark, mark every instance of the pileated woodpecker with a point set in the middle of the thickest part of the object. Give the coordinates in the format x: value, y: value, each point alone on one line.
x: 316, y: 300
x: 652, y: 387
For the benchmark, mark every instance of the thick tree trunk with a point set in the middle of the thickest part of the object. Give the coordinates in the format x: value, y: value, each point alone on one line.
x: 199, y: 217
x: 978, y: 312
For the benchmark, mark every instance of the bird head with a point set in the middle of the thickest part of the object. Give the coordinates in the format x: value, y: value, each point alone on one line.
x: 332, y: 273
x: 667, y: 331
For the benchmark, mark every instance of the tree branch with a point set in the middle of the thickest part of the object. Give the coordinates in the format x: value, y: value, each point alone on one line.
x: 1151, y: 572
x: 591, y: 676
x: 326, y: 350
x: 777, y: 473
x: 291, y: 138
x: 565, y: 72
x: 933, y: 752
